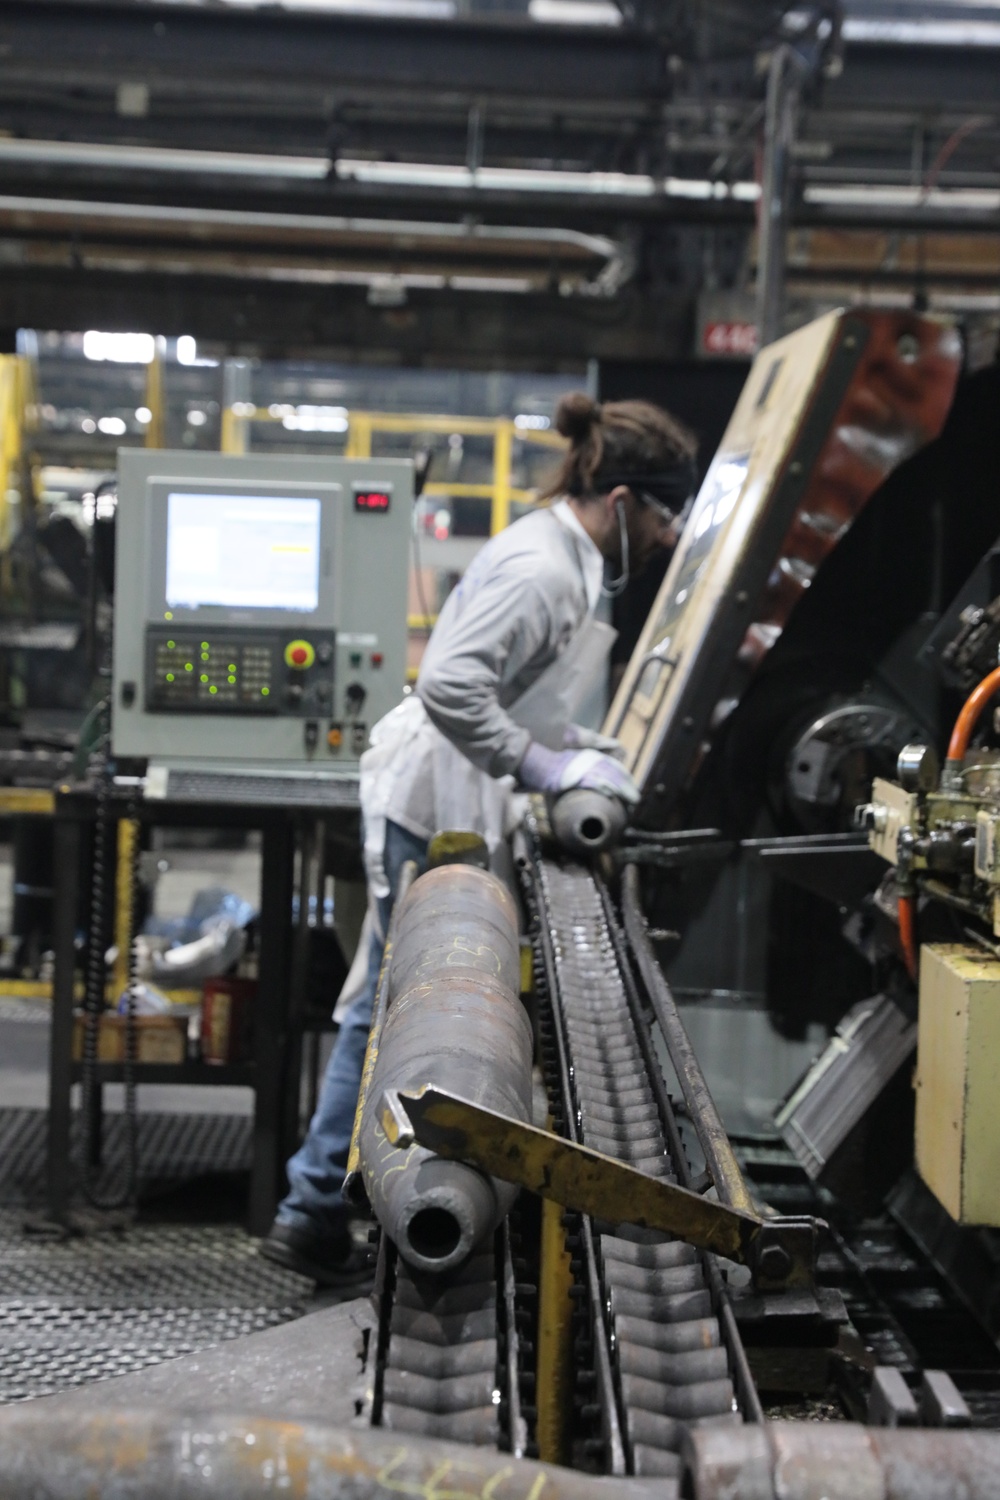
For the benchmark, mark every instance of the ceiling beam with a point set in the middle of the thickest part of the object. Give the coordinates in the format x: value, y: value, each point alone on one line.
x: 67, y: 41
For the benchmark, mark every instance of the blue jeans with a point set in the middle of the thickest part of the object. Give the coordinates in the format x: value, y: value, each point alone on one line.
x: 317, y: 1170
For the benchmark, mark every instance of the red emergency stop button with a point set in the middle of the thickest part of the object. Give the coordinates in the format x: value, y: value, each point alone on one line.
x: 300, y: 655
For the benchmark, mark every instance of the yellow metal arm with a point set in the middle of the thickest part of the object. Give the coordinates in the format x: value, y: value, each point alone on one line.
x: 780, y: 1251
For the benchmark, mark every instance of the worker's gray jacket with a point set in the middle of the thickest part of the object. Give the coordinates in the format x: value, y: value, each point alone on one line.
x: 515, y: 610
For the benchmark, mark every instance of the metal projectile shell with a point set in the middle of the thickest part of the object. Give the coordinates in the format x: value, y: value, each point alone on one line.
x: 455, y: 1020
x: 586, y: 823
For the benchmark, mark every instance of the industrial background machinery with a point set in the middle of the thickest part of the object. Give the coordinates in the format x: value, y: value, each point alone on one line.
x: 657, y: 1294
x: 671, y: 1292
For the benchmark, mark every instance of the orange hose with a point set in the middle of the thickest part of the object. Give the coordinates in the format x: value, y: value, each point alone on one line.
x: 907, y: 935
x: 969, y: 716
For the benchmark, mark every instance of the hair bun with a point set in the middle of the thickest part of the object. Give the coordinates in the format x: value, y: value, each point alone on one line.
x: 576, y: 414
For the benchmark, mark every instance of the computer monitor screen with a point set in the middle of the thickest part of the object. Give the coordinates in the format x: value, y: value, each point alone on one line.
x: 242, y: 551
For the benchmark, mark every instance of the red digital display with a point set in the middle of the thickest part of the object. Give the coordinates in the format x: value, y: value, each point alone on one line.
x: 377, y: 500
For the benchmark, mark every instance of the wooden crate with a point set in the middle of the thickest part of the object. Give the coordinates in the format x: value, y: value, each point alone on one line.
x: 159, y: 1039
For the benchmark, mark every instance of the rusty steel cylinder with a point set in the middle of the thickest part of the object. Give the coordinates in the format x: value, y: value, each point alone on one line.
x: 839, y: 1461
x: 454, y: 1020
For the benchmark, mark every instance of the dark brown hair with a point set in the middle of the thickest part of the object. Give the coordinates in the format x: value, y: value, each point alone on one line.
x: 615, y: 438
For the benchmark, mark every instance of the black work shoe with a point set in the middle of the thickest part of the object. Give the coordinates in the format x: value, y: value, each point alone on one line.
x: 336, y: 1262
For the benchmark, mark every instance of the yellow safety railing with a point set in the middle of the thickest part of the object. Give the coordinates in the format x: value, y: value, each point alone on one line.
x: 155, y: 399
x: 16, y: 408
x: 363, y: 425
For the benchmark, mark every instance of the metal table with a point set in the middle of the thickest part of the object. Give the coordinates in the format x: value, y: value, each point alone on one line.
x: 273, y: 1072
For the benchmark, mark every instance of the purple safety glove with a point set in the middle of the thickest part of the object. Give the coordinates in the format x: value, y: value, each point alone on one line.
x: 556, y: 771
x: 576, y: 737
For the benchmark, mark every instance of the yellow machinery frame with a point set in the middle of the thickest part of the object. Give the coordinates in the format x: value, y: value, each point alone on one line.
x: 363, y: 425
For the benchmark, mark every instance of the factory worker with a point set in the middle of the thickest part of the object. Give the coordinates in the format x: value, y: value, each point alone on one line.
x: 518, y: 647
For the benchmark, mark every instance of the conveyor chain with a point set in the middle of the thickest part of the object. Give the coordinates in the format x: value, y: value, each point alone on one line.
x: 670, y: 1364
x: 447, y: 1357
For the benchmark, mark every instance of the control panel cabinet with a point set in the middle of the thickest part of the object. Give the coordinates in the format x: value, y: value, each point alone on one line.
x: 260, y: 607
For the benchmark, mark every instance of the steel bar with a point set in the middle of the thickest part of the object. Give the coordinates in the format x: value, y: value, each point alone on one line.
x: 140, y: 1455
x: 784, y: 83
x: 453, y: 1013
x: 67, y: 843
x: 712, y: 1137
x: 840, y: 1461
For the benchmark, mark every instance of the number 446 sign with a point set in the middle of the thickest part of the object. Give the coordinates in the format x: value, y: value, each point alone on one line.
x: 732, y: 339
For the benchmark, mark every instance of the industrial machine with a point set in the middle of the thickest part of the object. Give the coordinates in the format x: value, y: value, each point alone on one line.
x: 639, y: 1311
x: 660, y: 1300
x: 260, y: 613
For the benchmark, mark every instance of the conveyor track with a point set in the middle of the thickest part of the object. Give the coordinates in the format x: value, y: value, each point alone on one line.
x: 447, y: 1360
x: 670, y: 1366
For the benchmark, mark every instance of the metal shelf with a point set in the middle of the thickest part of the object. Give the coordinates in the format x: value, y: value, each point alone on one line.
x: 186, y: 1072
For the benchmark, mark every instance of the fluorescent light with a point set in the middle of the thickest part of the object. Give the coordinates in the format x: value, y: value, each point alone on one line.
x: 490, y: 283
x: 112, y: 426
x: 308, y: 418
x: 575, y: 12
x: 187, y: 350
x: 143, y: 415
x: 119, y: 348
x: 525, y: 420
x: 197, y: 418
x: 932, y: 32
x: 891, y: 195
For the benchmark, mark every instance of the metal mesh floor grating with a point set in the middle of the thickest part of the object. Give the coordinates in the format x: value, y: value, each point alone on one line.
x: 126, y: 1295
x: 170, y: 1147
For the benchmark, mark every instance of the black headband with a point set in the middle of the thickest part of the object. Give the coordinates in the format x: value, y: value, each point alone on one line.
x: 672, y: 487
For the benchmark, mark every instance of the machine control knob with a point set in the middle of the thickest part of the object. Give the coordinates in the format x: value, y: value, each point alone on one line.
x: 356, y: 696
x: 293, y: 694
x: 299, y: 655
x: 324, y: 653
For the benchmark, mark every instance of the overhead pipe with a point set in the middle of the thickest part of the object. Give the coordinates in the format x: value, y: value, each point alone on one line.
x: 453, y: 1018
x: 28, y: 212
